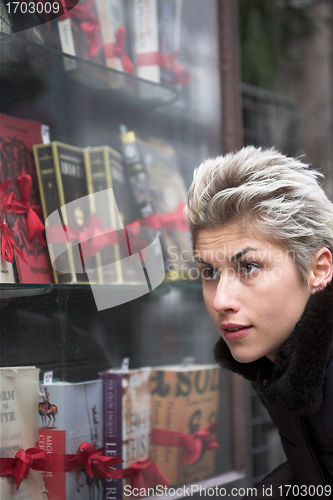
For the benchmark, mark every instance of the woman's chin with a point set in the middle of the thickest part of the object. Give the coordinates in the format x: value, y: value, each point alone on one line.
x: 244, y: 356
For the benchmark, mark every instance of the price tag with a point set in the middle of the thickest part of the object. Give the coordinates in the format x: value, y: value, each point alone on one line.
x: 48, y: 378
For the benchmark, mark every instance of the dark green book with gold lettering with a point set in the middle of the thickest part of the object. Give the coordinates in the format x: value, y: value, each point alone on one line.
x: 67, y: 210
x: 106, y: 181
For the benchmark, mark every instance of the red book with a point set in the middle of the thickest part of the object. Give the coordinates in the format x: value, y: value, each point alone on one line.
x: 17, y: 137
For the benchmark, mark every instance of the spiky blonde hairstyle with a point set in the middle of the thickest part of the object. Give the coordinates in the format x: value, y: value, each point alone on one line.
x: 263, y: 190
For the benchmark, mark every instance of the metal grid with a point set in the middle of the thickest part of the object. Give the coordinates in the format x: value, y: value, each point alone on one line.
x: 270, y: 119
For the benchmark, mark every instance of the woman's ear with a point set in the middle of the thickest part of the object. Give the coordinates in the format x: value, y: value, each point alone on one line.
x: 321, y: 270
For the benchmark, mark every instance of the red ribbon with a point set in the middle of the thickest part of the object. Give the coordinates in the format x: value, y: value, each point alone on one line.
x: 8, y: 244
x: 16, y: 206
x: 180, y: 73
x: 118, y: 49
x: 168, y: 221
x: 94, y: 238
x: 95, y: 463
x: 166, y: 61
x: 193, y: 444
x: 90, y: 23
x: 19, y: 467
x: 148, y: 59
x: 144, y: 473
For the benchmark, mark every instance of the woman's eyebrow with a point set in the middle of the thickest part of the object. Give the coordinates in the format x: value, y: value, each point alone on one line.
x: 197, y: 259
x: 242, y: 252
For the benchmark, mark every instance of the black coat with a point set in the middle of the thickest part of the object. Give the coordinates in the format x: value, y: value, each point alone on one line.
x: 298, y: 393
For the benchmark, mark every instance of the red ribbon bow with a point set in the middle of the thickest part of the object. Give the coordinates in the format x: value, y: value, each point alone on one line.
x: 193, y: 444
x: 180, y: 73
x: 8, y: 244
x: 94, y: 462
x: 146, y: 474
x: 19, y: 467
x: 118, y: 49
x: 16, y: 206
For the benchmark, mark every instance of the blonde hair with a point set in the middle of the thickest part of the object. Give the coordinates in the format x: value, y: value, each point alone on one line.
x: 270, y: 192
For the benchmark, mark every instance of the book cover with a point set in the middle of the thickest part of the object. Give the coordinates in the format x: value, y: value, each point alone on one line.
x: 127, y: 406
x: 70, y: 414
x: 105, y: 171
x: 63, y: 184
x: 165, y: 188
x: 17, y: 137
x: 19, y: 390
x: 184, y: 400
x: 145, y: 41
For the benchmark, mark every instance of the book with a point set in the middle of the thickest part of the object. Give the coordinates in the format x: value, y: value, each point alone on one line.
x: 17, y: 137
x: 139, y: 186
x: 106, y: 176
x: 5, y: 24
x: 184, y: 400
x: 77, y: 35
x: 19, y: 390
x: 169, y: 17
x: 62, y: 181
x: 153, y: 169
x: 70, y: 414
x: 111, y: 14
x: 145, y: 42
x: 127, y: 405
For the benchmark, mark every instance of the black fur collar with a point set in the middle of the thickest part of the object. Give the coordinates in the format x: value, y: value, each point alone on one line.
x: 296, y: 378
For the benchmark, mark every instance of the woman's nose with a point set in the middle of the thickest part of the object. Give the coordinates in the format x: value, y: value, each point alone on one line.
x: 226, y: 296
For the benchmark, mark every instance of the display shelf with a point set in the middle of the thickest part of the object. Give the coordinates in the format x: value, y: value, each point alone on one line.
x: 57, y: 327
x: 13, y: 290
x: 111, y: 85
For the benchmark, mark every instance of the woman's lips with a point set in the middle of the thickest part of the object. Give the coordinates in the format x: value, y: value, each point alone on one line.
x: 231, y: 334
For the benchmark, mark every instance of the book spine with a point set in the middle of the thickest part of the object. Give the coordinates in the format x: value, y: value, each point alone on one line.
x: 70, y: 171
x: 19, y: 427
x: 53, y: 441
x: 110, y: 14
x: 138, y: 181
x: 99, y: 178
x: 67, y: 43
x: 50, y: 202
x: 112, y: 412
x: 146, y: 44
x: 169, y: 14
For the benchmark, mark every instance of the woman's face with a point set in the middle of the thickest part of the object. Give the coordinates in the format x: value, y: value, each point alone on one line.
x: 251, y: 289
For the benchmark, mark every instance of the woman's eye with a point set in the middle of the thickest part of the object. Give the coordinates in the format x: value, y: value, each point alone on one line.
x: 209, y: 273
x: 248, y: 267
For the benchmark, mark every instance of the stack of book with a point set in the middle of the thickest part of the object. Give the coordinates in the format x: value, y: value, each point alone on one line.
x: 93, y: 202
x: 160, y: 422
x: 129, y: 36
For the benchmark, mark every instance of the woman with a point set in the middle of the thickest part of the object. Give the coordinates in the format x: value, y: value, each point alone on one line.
x: 262, y: 231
